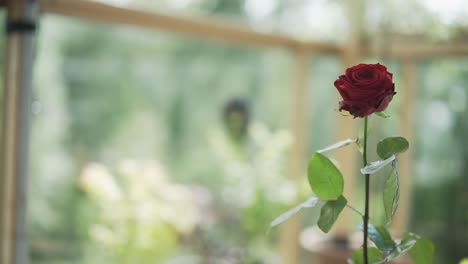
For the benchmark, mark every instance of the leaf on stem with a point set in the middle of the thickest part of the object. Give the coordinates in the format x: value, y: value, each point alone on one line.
x: 375, y: 166
x: 337, y: 145
x: 311, y: 202
x: 391, y: 193
x: 401, y: 249
x: 374, y: 256
x: 382, y: 115
x: 330, y: 212
x: 360, y: 139
x: 324, y: 178
x: 380, y: 236
x: 391, y: 146
x: 421, y: 250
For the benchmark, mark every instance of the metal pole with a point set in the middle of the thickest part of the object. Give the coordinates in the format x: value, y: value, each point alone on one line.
x: 19, y: 55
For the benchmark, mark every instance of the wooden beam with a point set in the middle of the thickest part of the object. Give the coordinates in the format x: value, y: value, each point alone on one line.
x: 195, y: 27
x: 406, y: 129
x: 417, y: 50
x: 289, y: 237
x: 218, y: 29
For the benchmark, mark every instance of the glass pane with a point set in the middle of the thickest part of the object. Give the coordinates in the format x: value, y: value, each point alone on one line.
x: 440, y: 173
x: 152, y: 148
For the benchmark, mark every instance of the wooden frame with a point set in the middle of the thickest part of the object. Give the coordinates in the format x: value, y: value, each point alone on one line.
x: 212, y: 29
x: 196, y: 27
x: 217, y: 29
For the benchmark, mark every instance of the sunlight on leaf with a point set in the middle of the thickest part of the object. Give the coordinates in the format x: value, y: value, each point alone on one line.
x: 311, y: 202
x: 375, y: 166
x: 337, y: 145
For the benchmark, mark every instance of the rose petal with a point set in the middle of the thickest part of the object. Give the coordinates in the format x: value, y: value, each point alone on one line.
x: 365, y: 89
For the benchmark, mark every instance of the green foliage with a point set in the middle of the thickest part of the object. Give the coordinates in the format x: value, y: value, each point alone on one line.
x: 311, y: 202
x: 99, y: 102
x: 382, y: 115
x: 360, y: 139
x: 401, y: 249
x: 330, y: 212
x: 391, y: 146
x: 381, y: 237
x: 404, y: 246
x: 375, y: 166
x: 326, y: 182
x: 324, y: 178
x: 373, y: 253
x: 422, y: 252
x: 391, y: 193
x: 337, y: 145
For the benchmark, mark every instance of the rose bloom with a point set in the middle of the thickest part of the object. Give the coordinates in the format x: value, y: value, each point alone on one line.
x: 365, y: 89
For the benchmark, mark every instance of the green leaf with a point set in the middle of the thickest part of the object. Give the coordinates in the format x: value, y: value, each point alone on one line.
x: 380, y: 236
x: 360, y: 139
x: 360, y: 145
x: 382, y: 115
x: 375, y: 166
x: 391, y: 193
x: 422, y: 252
x: 337, y: 145
x: 330, y: 212
x: 374, y: 256
x: 401, y: 249
x: 324, y: 178
x: 391, y: 146
x: 311, y: 202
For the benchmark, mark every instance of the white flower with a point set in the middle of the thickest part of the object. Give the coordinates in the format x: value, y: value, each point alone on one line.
x: 98, y: 181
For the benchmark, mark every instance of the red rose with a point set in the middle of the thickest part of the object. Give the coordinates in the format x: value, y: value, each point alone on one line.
x: 366, y: 89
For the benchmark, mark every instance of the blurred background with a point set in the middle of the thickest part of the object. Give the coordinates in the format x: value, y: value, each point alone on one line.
x: 152, y: 146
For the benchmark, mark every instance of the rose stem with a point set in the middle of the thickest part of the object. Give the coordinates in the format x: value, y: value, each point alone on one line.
x: 366, y: 208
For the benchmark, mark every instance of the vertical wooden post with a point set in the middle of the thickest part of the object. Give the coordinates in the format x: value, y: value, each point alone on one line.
x: 289, y: 237
x: 406, y: 129
x: 19, y: 54
x: 347, y: 127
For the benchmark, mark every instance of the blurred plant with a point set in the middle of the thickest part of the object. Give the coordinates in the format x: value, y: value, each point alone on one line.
x: 256, y: 165
x: 366, y: 89
x: 141, y: 213
x: 253, y: 160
